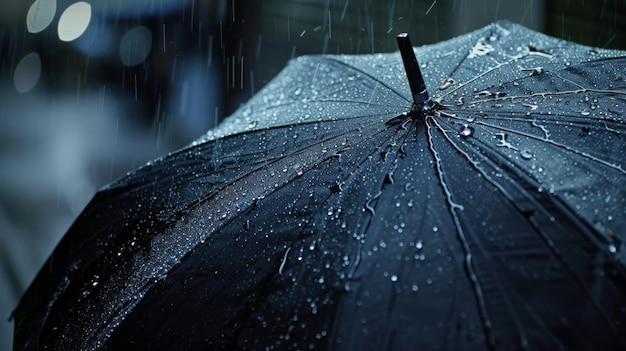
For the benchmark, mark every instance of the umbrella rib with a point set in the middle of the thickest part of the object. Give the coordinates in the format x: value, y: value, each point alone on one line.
x: 489, y: 70
x: 358, y: 103
x: 229, y: 220
x: 288, y: 104
x: 549, y: 243
x: 559, y: 145
x: 571, y: 117
x: 206, y: 198
x: 486, y: 321
x: 369, y: 76
x: 581, y: 89
x: 553, y: 93
x: 368, y: 204
x: 510, y: 199
x: 114, y: 313
x: 275, y: 159
x: 485, y: 159
x: 547, y: 140
x: 371, y: 210
x: 320, y: 208
x: 351, y: 174
x: 584, y: 120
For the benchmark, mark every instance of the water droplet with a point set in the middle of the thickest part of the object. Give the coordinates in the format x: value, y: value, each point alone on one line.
x: 533, y: 70
x: 414, y: 287
x: 502, y: 142
x: 446, y: 83
x: 584, y: 131
x: 394, y: 278
x: 585, y: 113
x: 526, y: 154
x: 298, y: 91
x: 466, y: 131
x: 481, y: 48
x: 482, y: 93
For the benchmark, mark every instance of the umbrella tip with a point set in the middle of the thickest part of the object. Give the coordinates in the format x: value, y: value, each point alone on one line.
x: 421, y: 100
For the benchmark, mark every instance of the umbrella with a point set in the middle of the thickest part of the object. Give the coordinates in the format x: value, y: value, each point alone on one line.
x: 352, y: 204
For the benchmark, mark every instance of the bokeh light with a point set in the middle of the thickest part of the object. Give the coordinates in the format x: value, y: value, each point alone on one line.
x: 135, y: 45
x: 40, y: 15
x: 27, y: 73
x: 74, y: 21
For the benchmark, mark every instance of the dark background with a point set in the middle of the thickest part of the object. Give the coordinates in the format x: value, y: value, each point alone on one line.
x: 91, y: 117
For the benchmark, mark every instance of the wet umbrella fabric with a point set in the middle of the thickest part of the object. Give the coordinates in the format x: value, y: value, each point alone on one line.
x: 338, y: 210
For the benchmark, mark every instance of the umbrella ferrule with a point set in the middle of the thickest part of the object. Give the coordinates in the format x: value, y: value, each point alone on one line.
x: 421, y: 99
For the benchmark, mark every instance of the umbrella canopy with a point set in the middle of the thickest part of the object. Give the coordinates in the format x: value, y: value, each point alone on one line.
x: 347, y: 207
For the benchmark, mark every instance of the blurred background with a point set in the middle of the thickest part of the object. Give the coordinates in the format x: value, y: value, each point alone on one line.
x: 91, y: 90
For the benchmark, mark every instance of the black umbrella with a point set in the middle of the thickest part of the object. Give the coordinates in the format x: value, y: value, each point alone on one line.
x: 343, y: 207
